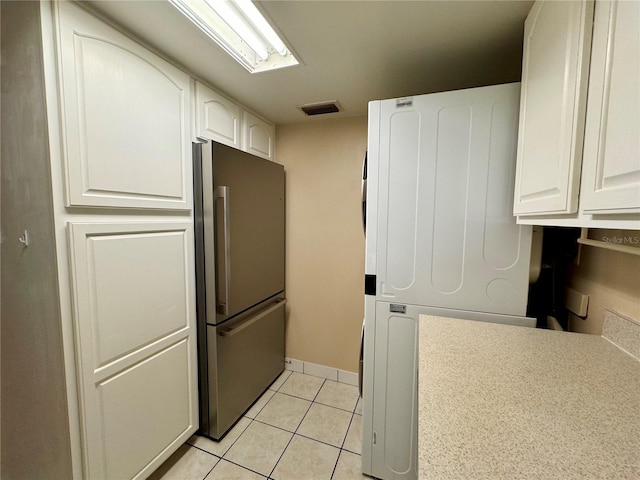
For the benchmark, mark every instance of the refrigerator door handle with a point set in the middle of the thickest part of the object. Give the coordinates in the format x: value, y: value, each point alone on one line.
x: 361, y: 362
x: 230, y: 332
x: 364, y: 194
x: 222, y: 193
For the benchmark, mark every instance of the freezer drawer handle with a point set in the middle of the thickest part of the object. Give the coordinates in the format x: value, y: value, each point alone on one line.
x: 361, y: 365
x: 222, y: 192
x: 238, y: 328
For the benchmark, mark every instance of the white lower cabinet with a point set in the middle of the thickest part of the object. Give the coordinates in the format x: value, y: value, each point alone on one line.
x: 133, y: 297
x: 149, y: 406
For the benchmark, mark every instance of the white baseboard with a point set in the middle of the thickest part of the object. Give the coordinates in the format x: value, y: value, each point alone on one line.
x: 348, y: 377
x: 321, y: 371
x: 294, y: 365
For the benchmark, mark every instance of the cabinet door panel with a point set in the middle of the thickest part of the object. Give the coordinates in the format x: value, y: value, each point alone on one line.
x: 611, y: 177
x: 136, y: 286
x: 134, y: 324
x: 143, y: 409
x: 217, y: 118
x: 125, y: 116
x: 552, y: 105
x: 258, y: 136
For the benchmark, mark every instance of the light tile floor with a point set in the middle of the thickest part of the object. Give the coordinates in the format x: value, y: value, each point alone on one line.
x: 302, y: 428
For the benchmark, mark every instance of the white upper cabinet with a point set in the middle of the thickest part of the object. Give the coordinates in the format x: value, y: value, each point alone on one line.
x: 611, y: 168
x: 553, y: 98
x: 217, y: 118
x: 221, y: 120
x: 579, y: 138
x: 257, y: 136
x: 125, y: 119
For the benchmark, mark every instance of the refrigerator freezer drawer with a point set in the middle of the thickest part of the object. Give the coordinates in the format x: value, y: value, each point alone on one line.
x: 245, y: 357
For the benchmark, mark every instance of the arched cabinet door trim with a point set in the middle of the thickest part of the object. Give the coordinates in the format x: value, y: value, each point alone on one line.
x: 258, y: 136
x: 217, y: 118
x: 125, y: 117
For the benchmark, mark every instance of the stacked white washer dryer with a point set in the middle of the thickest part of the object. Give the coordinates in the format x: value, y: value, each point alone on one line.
x: 441, y: 239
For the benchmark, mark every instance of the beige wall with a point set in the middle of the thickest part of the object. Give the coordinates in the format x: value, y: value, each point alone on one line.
x: 612, y: 281
x: 325, y: 241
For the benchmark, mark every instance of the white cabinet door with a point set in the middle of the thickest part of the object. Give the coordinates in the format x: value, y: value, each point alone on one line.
x: 134, y: 322
x: 552, y: 106
x: 257, y: 136
x: 217, y: 118
x: 611, y: 165
x: 125, y: 119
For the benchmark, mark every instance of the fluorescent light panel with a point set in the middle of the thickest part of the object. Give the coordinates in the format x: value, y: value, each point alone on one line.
x: 240, y: 29
x: 238, y: 24
x: 261, y: 24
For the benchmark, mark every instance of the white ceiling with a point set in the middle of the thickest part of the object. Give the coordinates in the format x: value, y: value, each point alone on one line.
x: 351, y: 51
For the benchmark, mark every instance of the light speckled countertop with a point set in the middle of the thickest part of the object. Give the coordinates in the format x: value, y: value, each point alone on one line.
x: 504, y: 402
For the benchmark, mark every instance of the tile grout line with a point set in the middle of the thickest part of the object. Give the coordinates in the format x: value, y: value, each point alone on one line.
x: 342, y: 449
x: 256, y: 420
x: 297, y: 427
x: 318, y: 392
x: 219, y: 459
x: 352, y: 412
x: 265, y: 403
x: 333, y: 472
x: 342, y: 444
x: 281, y: 455
x: 300, y: 434
x: 232, y: 443
x: 347, y: 432
x: 319, y: 403
x: 251, y: 420
x: 335, y: 465
x: 313, y: 401
x: 243, y: 467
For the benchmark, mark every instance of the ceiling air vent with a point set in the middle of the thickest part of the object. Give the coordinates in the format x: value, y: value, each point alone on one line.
x: 320, y: 108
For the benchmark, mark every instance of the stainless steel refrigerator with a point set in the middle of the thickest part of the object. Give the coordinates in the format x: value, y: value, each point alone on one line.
x: 239, y: 230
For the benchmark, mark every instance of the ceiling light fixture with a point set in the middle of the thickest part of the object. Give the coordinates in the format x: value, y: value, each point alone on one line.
x: 261, y: 24
x: 240, y: 29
